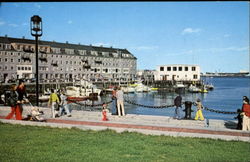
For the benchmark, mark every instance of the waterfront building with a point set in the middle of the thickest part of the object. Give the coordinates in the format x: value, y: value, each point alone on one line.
x: 146, y: 75
x: 64, y: 61
x: 178, y: 72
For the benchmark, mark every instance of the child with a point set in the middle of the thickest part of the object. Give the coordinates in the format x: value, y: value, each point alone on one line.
x: 35, y: 114
x: 199, y: 110
x: 104, y: 112
x: 239, y: 117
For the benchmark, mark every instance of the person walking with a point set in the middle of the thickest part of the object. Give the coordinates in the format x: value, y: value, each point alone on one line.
x: 64, y: 104
x: 199, y: 114
x: 246, y: 114
x: 177, y: 103
x: 12, y: 102
x: 114, y: 102
x: 22, y: 98
x: 53, y: 101
x: 120, y: 102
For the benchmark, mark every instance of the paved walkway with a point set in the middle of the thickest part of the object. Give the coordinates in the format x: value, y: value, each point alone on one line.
x: 146, y: 124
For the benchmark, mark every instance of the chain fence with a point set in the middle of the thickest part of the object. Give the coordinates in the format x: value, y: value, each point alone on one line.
x: 151, y: 106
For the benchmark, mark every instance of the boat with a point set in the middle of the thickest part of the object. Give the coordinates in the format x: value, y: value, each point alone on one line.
x: 128, y: 89
x: 82, y: 90
x: 203, y: 90
x: 140, y: 87
x: 194, y: 89
x: 179, y: 85
x: 209, y: 86
x: 154, y: 89
x: 44, y: 98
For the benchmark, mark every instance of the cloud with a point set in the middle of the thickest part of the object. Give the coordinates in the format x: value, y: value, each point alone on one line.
x: 38, y: 6
x: 70, y: 22
x: 211, y: 50
x: 145, y: 48
x: 237, y: 49
x: 16, y: 4
x: 13, y: 25
x: 190, y: 31
x: 101, y: 44
x: 2, y: 23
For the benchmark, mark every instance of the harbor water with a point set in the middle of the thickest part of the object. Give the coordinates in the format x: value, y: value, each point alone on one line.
x: 226, y: 96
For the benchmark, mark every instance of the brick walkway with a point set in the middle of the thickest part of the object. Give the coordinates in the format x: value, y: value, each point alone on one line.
x: 118, y: 125
x: 155, y: 125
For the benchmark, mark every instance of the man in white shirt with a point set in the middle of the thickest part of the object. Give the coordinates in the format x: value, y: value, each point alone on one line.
x: 120, y: 102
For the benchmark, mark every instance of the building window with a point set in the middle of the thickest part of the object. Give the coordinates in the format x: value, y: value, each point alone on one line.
x: 195, y: 76
x: 6, y: 60
x: 174, y: 68
x: 161, y: 68
x: 193, y: 68
x: 186, y: 68
x: 168, y: 68
x: 180, y: 68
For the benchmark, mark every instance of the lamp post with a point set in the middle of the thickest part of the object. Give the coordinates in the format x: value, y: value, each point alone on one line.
x: 36, y: 31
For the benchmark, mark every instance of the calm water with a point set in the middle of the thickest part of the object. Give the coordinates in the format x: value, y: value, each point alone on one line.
x: 226, y: 96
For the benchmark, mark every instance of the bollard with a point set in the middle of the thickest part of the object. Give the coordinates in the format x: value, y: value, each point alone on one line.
x: 188, y: 106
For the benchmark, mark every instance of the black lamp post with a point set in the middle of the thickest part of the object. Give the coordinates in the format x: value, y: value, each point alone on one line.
x: 36, y: 31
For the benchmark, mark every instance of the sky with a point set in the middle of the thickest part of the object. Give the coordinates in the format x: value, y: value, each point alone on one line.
x: 213, y: 35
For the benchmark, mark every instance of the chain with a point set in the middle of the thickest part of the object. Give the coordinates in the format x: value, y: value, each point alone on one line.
x: 156, y: 107
x: 84, y: 104
x: 216, y: 111
x: 221, y: 112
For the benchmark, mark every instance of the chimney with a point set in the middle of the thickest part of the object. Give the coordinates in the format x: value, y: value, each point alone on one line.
x: 67, y: 42
x: 6, y: 35
x: 23, y: 37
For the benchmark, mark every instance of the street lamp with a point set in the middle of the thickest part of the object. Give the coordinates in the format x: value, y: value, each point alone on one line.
x: 36, y: 31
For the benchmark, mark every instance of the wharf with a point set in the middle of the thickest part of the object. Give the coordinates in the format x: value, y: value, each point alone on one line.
x: 145, y: 124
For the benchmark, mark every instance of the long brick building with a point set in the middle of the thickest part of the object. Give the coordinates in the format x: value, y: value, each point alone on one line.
x: 64, y: 61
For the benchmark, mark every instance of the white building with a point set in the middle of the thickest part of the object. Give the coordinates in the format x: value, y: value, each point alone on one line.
x: 178, y: 72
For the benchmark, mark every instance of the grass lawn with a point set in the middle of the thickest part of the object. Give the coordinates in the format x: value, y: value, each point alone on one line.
x: 30, y: 143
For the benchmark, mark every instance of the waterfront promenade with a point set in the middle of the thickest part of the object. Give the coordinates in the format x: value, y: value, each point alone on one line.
x: 146, y: 124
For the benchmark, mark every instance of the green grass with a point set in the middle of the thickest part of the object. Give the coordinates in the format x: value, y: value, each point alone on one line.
x: 30, y: 143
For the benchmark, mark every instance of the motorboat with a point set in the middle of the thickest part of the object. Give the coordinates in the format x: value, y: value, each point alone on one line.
x: 209, y: 86
x: 140, y: 87
x: 193, y: 89
x: 154, y: 89
x: 203, y: 90
x: 179, y: 85
x: 128, y: 89
x: 83, y: 89
x: 44, y: 98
